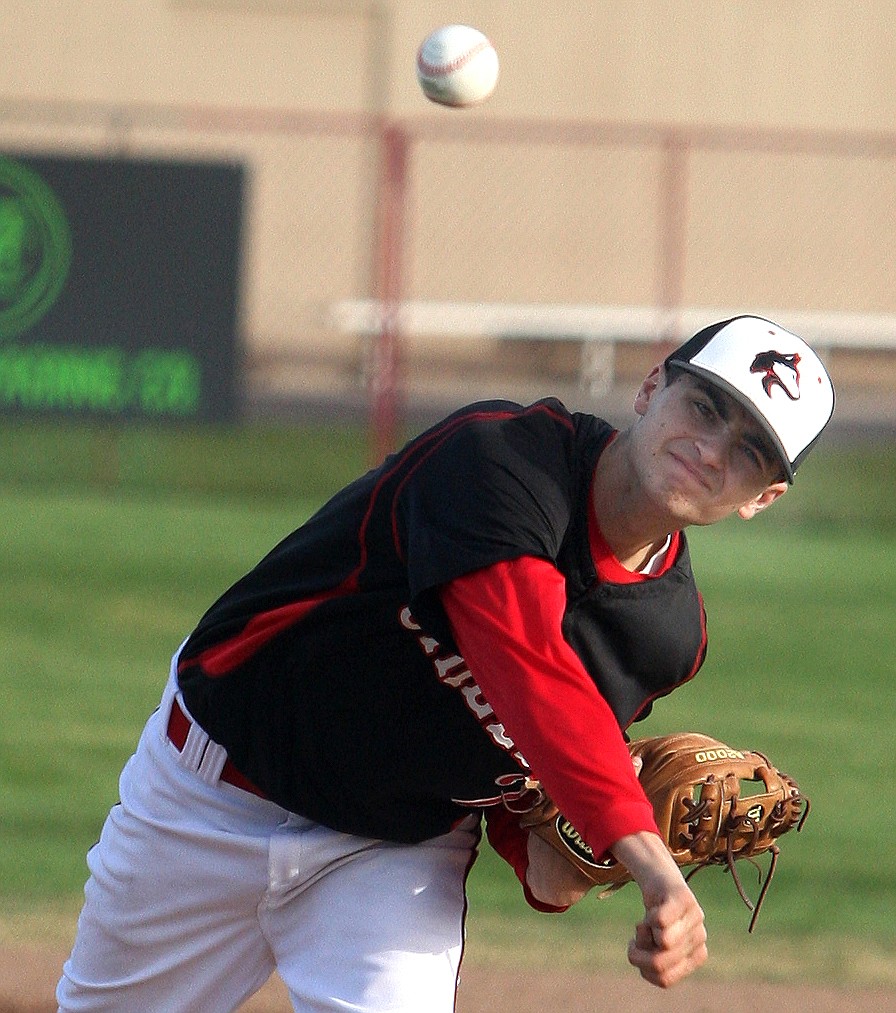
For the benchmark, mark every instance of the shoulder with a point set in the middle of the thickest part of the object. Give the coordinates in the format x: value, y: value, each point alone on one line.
x: 541, y: 448
x: 498, y: 411
x: 547, y: 418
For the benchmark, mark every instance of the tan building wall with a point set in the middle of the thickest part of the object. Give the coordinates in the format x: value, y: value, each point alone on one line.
x: 777, y: 192
x: 800, y: 63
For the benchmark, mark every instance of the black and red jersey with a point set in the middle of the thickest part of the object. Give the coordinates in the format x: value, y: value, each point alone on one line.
x: 330, y: 672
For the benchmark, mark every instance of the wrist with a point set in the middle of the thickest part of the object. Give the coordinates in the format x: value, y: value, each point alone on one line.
x: 645, y: 855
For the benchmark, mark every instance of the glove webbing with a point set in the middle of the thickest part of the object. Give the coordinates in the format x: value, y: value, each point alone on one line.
x: 729, y: 828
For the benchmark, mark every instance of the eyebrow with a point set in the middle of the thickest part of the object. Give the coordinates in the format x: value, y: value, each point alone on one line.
x: 722, y: 405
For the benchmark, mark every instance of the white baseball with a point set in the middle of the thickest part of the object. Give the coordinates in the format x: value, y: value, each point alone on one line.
x: 457, y: 66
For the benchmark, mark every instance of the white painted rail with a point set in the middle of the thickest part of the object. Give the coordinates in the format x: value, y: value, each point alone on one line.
x: 599, y: 328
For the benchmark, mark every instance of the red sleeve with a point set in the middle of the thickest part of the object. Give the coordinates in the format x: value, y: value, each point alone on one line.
x: 507, y: 622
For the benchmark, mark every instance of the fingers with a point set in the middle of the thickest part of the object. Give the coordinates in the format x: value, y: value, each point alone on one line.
x: 667, y: 948
x: 643, y: 938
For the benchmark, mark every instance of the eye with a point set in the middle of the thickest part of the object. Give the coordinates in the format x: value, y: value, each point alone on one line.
x: 754, y: 456
x: 703, y: 408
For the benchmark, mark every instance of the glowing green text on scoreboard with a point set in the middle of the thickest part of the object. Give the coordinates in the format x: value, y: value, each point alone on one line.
x: 152, y: 381
x: 118, y: 287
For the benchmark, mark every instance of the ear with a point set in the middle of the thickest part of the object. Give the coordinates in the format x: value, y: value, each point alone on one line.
x: 647, y: 389
x: 763, y: 500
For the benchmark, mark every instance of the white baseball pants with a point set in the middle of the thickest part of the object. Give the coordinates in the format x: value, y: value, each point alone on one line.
x: 199, y: 890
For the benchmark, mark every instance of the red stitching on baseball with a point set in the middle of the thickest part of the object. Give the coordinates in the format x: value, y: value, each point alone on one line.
x: 440, y: 69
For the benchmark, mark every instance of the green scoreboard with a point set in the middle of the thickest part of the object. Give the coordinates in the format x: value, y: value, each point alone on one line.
x: 119, y: 287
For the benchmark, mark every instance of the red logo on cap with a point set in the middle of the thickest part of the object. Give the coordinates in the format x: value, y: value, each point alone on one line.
x: 766, y: 363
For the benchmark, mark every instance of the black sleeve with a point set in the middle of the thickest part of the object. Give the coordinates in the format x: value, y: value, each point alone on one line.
x: 498, y: 486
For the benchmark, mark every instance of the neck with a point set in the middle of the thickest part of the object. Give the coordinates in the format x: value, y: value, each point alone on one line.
x: 631, y: 526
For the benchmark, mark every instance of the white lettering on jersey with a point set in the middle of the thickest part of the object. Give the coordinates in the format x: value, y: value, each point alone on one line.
x: 451, y: 670
x: 476, y: 701
x: 501, y: 737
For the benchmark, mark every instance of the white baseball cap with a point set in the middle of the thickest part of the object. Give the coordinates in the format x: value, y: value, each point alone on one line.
x: 774, y: 374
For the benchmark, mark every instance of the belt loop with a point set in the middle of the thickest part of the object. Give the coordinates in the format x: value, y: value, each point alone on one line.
x: 197, y: 741
x: 198, y: 753
x: 195, y: 747
x: 212, y: 761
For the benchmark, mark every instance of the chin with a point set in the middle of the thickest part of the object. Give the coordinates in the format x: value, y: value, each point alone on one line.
x: 685, y: 511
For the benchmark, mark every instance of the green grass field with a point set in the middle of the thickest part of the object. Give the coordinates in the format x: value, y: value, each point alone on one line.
x: 116, y: 541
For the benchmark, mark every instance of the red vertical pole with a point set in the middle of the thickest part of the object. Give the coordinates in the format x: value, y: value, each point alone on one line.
x: 673, y: 228
x: 384, y: 376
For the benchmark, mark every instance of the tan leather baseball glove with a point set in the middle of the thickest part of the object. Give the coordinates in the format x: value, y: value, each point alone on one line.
x: 713, y: 805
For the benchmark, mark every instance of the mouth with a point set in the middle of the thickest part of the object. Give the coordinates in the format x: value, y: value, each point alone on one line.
x: 697, y: 474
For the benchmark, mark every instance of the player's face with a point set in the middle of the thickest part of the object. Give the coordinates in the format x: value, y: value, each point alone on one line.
x: 700, y: 455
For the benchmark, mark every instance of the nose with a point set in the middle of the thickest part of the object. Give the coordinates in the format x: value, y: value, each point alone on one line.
x: 714, y: 447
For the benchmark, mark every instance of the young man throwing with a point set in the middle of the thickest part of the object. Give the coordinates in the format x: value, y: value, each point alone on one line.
x: 507, y: 594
